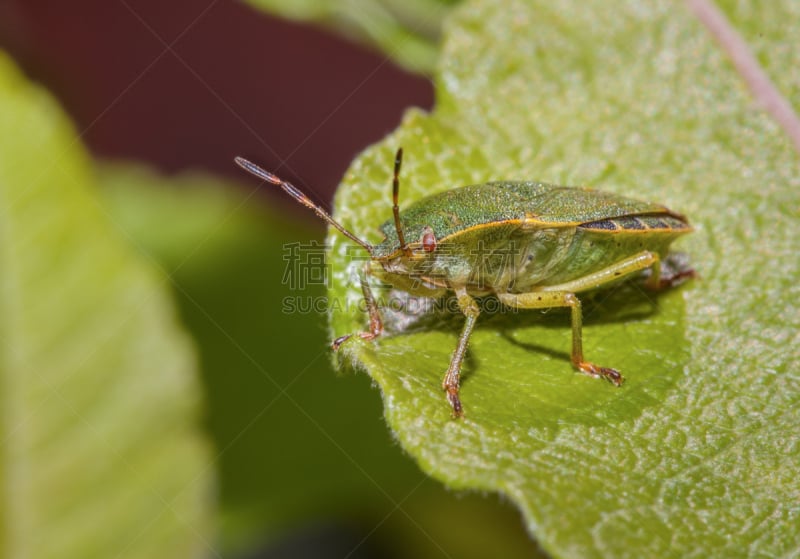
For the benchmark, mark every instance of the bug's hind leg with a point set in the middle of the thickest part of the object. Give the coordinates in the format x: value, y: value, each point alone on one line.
x: 452, y: 378
x: 375, y: 322
x: 550, y: 299
x: 563, y: 295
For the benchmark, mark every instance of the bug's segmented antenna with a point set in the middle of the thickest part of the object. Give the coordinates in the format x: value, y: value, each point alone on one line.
x: 398, y: 160
x: 292, y: 191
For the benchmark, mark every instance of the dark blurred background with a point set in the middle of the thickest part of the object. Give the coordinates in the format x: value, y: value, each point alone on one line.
x: 306, y: 466
x: 191, y: 84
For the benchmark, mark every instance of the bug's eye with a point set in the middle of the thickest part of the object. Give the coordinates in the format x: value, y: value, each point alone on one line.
x: 428, y: 240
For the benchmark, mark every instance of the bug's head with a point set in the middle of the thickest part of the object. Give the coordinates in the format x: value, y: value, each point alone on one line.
x: 418, y: 256
x: 292, y: 191
x: 406, y: 248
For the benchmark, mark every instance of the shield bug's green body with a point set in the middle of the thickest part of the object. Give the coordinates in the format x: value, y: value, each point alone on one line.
x: 532, y: 245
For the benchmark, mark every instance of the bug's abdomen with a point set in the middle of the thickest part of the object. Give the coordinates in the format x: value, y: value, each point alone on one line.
x: 598, y: 244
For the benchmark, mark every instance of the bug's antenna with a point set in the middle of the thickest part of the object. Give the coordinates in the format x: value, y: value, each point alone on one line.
x: 292, y: 191
x: 398, y: 160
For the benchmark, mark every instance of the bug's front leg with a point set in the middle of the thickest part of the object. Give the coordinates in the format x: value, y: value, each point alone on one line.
x: 375, y: 322
x: 550, y: 299
x: 452, y: 378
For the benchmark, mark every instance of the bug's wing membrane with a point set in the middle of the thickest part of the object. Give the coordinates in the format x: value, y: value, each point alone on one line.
x: 573, y: 206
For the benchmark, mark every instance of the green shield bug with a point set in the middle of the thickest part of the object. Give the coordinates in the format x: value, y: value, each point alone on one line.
x: 530, y: 244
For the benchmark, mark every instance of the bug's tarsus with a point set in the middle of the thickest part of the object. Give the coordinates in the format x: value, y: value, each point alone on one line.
x: 398, y: 161
x: 292, y: 191
x: 671, y: 278
x: 611, y: 375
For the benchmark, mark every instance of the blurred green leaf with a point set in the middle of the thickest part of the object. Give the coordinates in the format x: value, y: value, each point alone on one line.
x: 101, y: 456
x: 407, y: 31
x: 696, y: 453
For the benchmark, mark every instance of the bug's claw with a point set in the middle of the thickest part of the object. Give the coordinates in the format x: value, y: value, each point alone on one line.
x: 673, y: 280
x: 337, y: 343
x: 455, y: 402
x: 450, y: 385
x: 611, y: 375
x: 677, y: 278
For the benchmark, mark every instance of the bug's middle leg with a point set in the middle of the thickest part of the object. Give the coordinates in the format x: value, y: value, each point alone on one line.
x: 452, y: 378
x: 550, y: 299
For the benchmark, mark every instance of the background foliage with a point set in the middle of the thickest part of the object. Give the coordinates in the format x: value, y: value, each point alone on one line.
x: 408, y: 31
x: 101, y: 454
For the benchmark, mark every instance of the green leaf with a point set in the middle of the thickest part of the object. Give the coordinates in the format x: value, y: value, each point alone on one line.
x: 408, y: 32
x: 697, y: 452
x: 101, y: 456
